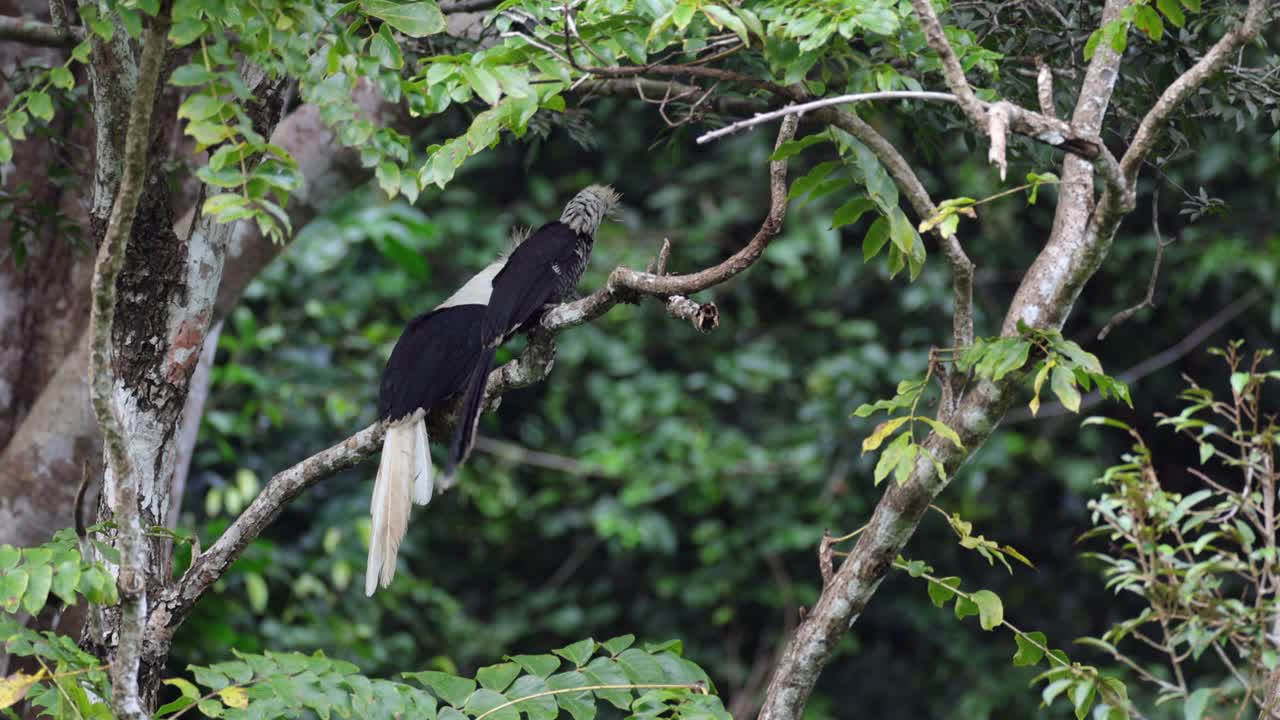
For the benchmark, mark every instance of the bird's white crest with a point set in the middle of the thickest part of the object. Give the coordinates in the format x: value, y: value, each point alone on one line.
x: 589, y: 207
x: 404, y: 477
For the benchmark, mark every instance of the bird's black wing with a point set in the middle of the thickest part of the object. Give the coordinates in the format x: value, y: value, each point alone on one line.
x: 536, y: 273
x: 435, y: 354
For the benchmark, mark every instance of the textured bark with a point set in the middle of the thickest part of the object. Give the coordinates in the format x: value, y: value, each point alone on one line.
x: 44, y: 300
x: 1079, y: 240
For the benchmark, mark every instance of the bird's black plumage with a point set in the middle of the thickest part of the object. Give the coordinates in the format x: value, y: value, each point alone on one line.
x: 544, y: 269
x: 432, y: 359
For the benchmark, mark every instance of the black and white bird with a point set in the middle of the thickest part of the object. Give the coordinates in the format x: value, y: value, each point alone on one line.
x: 542, y: 271
x: 451, y: 348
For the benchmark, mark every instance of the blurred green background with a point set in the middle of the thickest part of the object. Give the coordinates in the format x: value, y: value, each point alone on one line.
x: 672, y: 484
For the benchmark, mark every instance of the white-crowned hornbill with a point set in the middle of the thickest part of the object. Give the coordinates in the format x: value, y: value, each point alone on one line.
x: 451, y: 349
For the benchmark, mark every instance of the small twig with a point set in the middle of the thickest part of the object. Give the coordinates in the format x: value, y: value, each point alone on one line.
x: 1149, y: 300
x: 824, y: 102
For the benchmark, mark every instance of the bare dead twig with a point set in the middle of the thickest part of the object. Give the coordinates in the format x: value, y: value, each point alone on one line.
x: 1149, y: 300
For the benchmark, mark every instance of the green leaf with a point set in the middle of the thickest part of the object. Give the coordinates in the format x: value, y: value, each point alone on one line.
x: 941, y: 592
x: 1064, y: 386
x: 580, y: 705
x: 1197, y: 702
x: 257, y: 590
x: 6, y: 149
x: 12, y: 586
x: 604, y: 671
x: 541, y: 708
x: 883, y: 431
x: 191, y: 75
x: 81, y: 52
x: 37, y: 588
x: 725, y: 17
x: 40, y: 105
x: 65, y: 580
x: 892, y: 457
x: 683, y: 13
x: 1149, y: 22
x: 497, y: 677
x: 1172, y: 11
x: 186, y: 31
x: 577, y: 653
x: 1239, y: 381
x: 200, y: 107
x: 875, y: 239
x: 641, y: 667
x: 61, y: 77
x: 944, y: 430
x: 613, y: 646
x: 484, y: 702
x: 539, y: 665
x: 1206, y: 452
x: 1029, y: 649
x: 484, y: 82
x: 850, y: 212
x: 415, y: 19
x: 383, y: 47
x: 793, y: 147
x: 1082, y: 696
x: 449, y: 688
x: 1192, y: 5
x: 1045, y: 367
x: 388, y: 174
x: 990, y: 609
x: 965, y: 607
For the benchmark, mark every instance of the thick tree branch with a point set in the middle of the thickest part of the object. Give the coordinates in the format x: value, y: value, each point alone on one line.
x: 1044, y: 299
x: 1179, y: 90
x: 996, y: 117
x: 530, y: 367
x: 34, y: 32
x: 122, y: 490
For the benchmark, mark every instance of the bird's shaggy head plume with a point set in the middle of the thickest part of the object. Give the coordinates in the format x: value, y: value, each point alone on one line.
x: 589, y: 208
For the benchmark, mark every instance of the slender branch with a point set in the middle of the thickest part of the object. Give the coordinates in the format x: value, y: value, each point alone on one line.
x: 1149, y: 301
x: 34, y: 32
x: 952, y: 70
x: 825, y: 102
x: 531, y: 366
x: 1187, y: 83
x: 1041, y: 127
x: 123, y: 489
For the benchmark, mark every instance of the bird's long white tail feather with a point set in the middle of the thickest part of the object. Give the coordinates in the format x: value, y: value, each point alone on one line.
x: 424, y: 482
x: 404, y: 477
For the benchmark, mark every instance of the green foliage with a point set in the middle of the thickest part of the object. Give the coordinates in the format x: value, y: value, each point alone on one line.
x: 649, y: 683
x: 1062, y: 362
x: 29, y: 577
x: 1084, y: 685
x: 1202, y: 561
